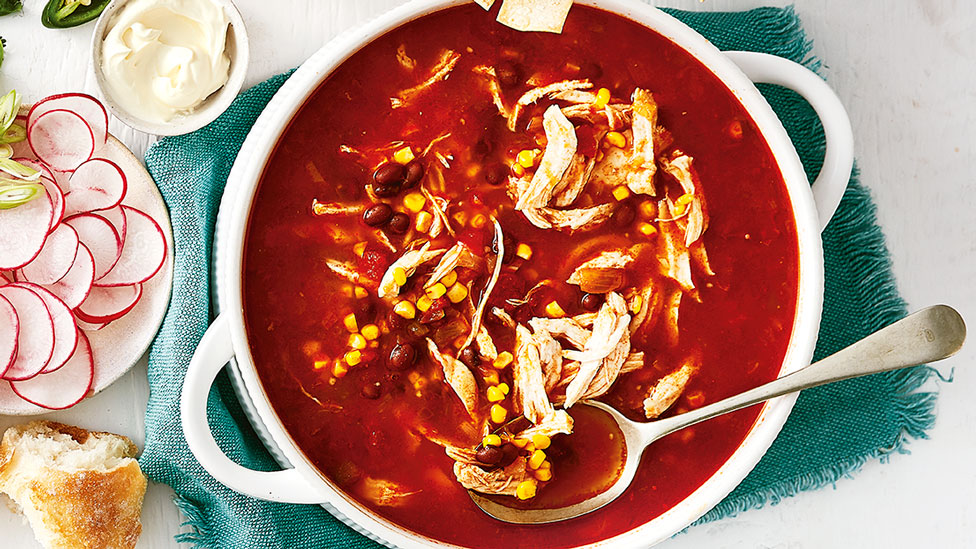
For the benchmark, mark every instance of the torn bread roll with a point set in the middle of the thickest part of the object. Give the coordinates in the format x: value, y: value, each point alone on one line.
x: 78, y: 489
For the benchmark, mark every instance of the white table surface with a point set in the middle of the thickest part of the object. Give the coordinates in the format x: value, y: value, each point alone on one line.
x: 906, y: 72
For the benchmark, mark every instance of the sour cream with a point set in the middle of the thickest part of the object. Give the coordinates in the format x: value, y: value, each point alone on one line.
x: 163, y: 58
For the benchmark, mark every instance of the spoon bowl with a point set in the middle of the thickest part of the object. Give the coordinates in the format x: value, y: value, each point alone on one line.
x: 928, y: 335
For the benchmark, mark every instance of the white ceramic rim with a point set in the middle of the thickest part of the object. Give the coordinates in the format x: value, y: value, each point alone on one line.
x: 213, y: 106
x: 246, y: 172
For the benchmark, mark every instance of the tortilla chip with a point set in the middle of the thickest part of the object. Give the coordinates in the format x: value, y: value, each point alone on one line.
x: 535, y: 15
x: 485, y: 3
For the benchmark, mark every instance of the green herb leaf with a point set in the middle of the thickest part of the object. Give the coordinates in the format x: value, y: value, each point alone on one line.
x: 9, y: 6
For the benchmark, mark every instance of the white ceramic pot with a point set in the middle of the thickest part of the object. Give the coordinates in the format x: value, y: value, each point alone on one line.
x: 226, y: 340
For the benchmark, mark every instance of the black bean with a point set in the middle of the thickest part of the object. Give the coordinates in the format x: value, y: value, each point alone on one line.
x: 518, y: 425
x: 489, y: 455
x: 496, y: 174
x: 509, y: 74
x: 470, y: 357
x: 365, y: 310
x: 377, y: 215
x: 483, y: 147
x: 399, y: 223
x: 415, y: 172
x: 371, y: 391
x: 509, y: 453
x: 386, y: 191
x: 402, y: 356
x: 624, y: 215
x: 396, y: 321
x: 390, y: 173
x: 591, y: 302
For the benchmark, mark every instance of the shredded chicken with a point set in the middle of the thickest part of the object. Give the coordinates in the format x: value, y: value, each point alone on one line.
x: 666, y: 391
x: 458, y: 376
x: 440, y: 71
x: 538, y: 93
x: 486, y: 346
x: 334, y: 208
x: 603, y: 273
x: 635, y: 361
x: 573, y: 181
x: 344, y: 270
x: 567, y: 328
x: 385, y: 493
x: 530, y: 388
x: 483, y: 302
x: 569, y: 220
x: 674, y: 257
x: 560, y: 148
x: 405, y: 60
x: 449, y: 261
x: 671, y: 304
x: 438, y: 206
x: 494, y: 88
x: 574, y: 96
x: 496, y: 481
x: 680, y: 168
x: 616, y: 116
x: 609, y: 328
x: 503, y: 316
x: 409, y: 262
x: 643, y: 160
x: 554, y: 424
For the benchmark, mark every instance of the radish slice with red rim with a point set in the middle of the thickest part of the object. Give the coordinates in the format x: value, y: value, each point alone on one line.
x: 101, y: 239
x: 55, y: 259
x: 116, y: 216
x: 84, y: 105
x: 90, y: 327
x: 105, y: 304
x: 76, y: 285
x: 50, y: 182
x: 143, y: 251
x: 61, y: 139
x: 98, y: 184
x: 9, y: 332
x: 64, y: 387
x: 36, y: 344
x: 23, y: 231
x: 65, y: 331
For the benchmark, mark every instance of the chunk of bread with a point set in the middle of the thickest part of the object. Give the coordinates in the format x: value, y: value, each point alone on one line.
x: 78, y: 489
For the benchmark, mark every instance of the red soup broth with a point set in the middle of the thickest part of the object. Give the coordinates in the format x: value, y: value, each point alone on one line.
x: 294, y: 307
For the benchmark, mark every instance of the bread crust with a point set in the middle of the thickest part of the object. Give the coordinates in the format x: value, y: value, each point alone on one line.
x: 70, y: 506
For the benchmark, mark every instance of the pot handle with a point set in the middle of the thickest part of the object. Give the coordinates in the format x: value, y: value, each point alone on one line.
x: 828, y: 188
x: 213, y: 352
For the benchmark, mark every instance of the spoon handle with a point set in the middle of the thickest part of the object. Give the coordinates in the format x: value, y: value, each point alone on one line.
x: 928, y: 335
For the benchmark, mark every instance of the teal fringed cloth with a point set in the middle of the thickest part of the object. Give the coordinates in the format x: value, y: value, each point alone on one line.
x: 827, y: 435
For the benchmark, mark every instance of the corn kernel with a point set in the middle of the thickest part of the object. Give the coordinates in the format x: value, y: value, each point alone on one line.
x: 648, y: 209
x: 449, y: 279
x: 526, y: 489
x: 459, y: 341
x: 543, y: 475
x: 339, y: 369
x: 503, y: 387
x: 621, y: 192
x: 371, y: 331
x: 616, y: 139
x: 357, y: 341
x: 518, y: 170
x: 424, y: 302
x: 647, y: 229
x: 457, y: 293
x: 554, y: 310
x: 405, y: 309
x: 520, y: 442
x: 495, y: 394
x: 545, y: 465
x: 350, y: 323
x: 684, y: 199
x: 436, y: 291
x: 491, y: 440
x: 541, y: 441
x: 498, y: 413
x: 353, y: 357
x: 478, y: 221
x: 358, y: 248
x: 636, y: 303
x: 399, y: 276
x: 504, y: 359
x: 360, y: 292
x: 319, y: 364
x: 491, y: 378
x: 414, y: 202
x: 524, y: 251
x: 526, y: 158
x: 536, y: 459
x: 423, y: 222
x: 403, y: 156
x: 602, y: 98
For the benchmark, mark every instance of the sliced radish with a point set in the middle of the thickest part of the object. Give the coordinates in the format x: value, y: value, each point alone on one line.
x: 65, y: 331
x: 64, y: 387
x: 35, y: 342
x: 51, y: 185
x: 107, y: 304
x: 61, y: 139
x: 143, y: 251
x: 83, y: 105
x: 23, y: 231
x: 9, y: 331
x: 56, y: 257
x: 90, y: 327
x: 75, y: 286
x: 101, y: 239
x: 98, y: 184
x: 116, y: 216
x: 4, y: 279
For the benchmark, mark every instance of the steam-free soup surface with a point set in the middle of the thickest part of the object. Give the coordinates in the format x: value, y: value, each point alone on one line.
x: 376, y: 428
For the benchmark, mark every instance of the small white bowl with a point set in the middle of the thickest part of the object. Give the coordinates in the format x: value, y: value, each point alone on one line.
x: 212, y: 107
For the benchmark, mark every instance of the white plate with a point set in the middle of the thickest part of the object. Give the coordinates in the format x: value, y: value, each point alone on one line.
x: 118, y: 346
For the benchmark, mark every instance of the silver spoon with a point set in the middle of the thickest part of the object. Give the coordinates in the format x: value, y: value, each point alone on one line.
x: 926, y: 336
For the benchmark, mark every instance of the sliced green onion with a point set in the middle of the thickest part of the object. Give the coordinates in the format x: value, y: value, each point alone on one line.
x: 9, y: 106
x: 6, y: 151
x: 18, y: 170
x: 14, y: 134
x: 18, y: 194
